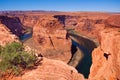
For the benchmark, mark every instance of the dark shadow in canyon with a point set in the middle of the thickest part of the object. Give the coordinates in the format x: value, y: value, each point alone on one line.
x: 83, y: 56
x: 61, y: 18
x: 14, y: 24
x: 16, y: 27
x: 86, y: 61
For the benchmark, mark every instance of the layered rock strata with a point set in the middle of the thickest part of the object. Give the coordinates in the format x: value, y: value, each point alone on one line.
x: 53, y: 70
x: 13, y: 24
x: 52, y: 40
x: 106, y: 58
x: 6, y: 36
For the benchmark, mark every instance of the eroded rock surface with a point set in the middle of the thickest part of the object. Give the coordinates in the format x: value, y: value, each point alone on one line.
x: 89, y: 24
x: 29, y: 20
x: 53, y: 70
x: 6, y: 36
x: 13, y: 24
x: 51, y: 39
x: 106, y: 58
x: 113, y: 21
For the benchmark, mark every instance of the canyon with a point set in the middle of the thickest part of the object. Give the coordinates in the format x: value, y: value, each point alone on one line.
x: 74, y: 45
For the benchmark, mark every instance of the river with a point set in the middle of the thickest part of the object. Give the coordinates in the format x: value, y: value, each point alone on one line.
x: 81, y: 51
x: 81, y: 59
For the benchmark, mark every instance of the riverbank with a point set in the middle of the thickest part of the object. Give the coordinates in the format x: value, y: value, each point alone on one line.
x: 81, y: 58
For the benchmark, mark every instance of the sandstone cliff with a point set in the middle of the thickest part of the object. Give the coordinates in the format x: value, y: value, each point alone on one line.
x: 51, y: 39
x: 89, y: 24
x: 13, y: 24
x: 29, y: 20
x: 106, y: 58
x: 6, y: 36
x: 113, y: 21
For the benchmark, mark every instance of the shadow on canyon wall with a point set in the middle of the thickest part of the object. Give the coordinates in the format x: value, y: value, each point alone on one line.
x: 81, y: 50
x: 14, y: 24
x: 81, y: 46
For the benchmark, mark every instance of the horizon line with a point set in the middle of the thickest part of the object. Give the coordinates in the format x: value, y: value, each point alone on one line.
x: 56, y: 11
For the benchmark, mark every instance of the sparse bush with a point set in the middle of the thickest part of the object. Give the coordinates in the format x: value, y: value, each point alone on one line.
x: 14, y: 58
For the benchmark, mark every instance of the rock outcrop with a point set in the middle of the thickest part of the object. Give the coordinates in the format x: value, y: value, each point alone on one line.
x: 49, y: 69
x: 29, y: 20
x: 89, y: 24
x: 13, y: 24
x: 53, y: 70
x: 106, y: 58
x: 113, y: 21
x: 51, y: 39
x: 6, y: 36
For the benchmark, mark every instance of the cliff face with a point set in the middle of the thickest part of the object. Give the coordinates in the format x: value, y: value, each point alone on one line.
x: 48, y: 33
x: 51, y: 39
x: 106, y: 58
x: 6, y: 36
x: 12, y: 23
x: 89, y: 24
x: 29, y: 20
x: 113, y: 21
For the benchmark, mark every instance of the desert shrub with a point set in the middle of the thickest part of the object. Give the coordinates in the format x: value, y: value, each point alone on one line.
x: 14, y: 58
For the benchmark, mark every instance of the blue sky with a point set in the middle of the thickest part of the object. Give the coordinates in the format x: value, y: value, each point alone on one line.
x: 61, y: 5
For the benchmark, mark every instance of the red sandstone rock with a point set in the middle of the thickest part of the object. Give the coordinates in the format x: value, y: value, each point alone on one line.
x: 6, y: 36
x: 51, y: 39
x: 90, y: 27
x: 89, y: 24
x: 53, y: 70
x: 50, y: 70
x: 13, y: 24
x: 28, y: 20
x: 106, y: 58
x: 113, y: 21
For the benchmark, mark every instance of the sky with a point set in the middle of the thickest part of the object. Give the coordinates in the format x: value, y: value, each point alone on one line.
x: 61, y: 5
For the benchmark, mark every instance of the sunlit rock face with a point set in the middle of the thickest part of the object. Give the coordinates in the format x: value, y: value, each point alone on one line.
x: 113, y: 21
x: 106, y: 58
x: 53, y: 70
x: 50, y: 70
x: 52, y: 39
x: 89, y: 24
x: 29, y: 20
x: 6, y: 36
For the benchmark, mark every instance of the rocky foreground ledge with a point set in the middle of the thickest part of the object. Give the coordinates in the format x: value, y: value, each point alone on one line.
x: 51, y: 70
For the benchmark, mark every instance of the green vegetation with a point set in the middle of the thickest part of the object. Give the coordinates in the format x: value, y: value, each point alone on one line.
x: 13, y: 58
